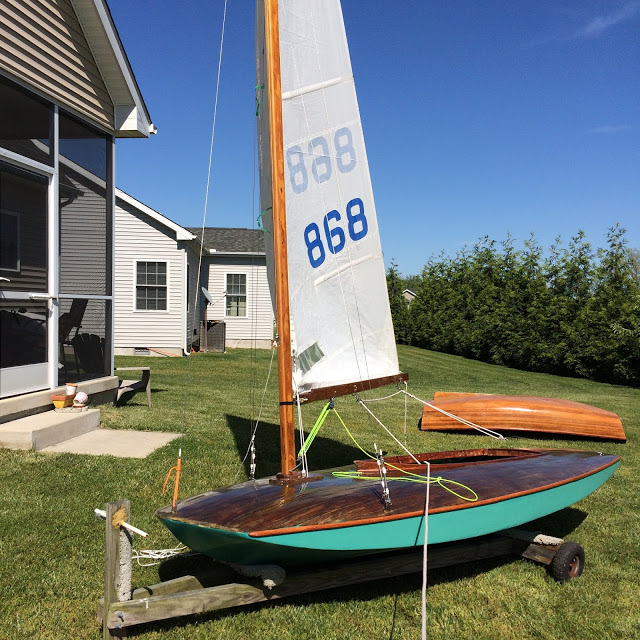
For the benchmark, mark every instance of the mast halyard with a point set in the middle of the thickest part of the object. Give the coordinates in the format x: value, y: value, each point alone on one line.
x: 285, y: 376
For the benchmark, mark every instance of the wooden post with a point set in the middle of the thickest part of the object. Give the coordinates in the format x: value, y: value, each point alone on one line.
x: 117, y: 563
x: 285, y: 378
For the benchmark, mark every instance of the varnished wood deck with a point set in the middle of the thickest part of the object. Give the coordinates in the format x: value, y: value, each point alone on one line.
x: 259, y: 508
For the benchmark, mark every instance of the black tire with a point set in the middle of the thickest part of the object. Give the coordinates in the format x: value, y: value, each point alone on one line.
x: 568, y: 562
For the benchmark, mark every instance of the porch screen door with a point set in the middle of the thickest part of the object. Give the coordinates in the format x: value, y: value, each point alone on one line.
x: 25, y: 298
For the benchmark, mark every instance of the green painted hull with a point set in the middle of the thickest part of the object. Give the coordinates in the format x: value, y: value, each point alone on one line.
x: 326, y: 544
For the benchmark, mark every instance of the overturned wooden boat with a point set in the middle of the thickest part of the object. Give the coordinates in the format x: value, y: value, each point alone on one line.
x: 450, y: 411
x: 343, y: 515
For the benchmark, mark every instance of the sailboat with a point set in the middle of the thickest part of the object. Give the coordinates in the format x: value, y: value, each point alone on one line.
x: 335, y: 337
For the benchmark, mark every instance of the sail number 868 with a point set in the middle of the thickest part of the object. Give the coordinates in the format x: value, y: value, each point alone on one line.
x: 357, y: 228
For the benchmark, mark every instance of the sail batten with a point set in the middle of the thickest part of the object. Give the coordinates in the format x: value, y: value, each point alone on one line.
x: 315, y: 87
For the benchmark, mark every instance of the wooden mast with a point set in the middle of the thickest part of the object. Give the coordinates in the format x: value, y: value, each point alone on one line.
x: 285, y: 377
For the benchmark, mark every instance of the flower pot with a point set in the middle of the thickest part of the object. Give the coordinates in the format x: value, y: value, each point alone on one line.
x: 60, y: 401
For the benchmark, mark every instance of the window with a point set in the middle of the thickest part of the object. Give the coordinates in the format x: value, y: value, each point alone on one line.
x: 23, y: 230
x: 236, y: 294
x: 151, y: 286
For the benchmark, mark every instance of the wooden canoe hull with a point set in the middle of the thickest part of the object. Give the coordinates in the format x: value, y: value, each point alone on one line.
x: 521, y: 413
x: 337, y: 517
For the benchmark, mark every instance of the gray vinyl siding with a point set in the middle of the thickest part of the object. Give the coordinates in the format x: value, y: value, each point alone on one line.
x: 42, y: 44
x: 258, y: 324
x: 140, y: 238
x: 84, y: 238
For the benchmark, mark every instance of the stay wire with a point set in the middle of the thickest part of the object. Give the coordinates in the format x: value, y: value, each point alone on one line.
x: 257, y: 422
x: 204, y: 219
x: 362, y: 403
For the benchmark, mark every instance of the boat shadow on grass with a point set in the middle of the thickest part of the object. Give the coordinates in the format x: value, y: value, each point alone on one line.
x: 324, y: 454
x: 210, y: 573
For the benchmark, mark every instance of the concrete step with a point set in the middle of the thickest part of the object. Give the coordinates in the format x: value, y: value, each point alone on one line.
x: 46, y: 429
x: 120, y: 443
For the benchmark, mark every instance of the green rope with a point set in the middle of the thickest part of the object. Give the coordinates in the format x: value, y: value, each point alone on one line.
x: 357, y: 475
x: 316, y: 427
x: 437, y: 480
x: 259, y: 219
x: 258, y: 87
x: 414, y: 477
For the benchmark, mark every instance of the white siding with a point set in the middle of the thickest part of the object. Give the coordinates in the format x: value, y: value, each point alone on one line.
x: 139, y: 238
x: 258, y: 325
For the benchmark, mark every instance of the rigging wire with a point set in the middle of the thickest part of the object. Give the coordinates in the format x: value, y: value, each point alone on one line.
x: 362, y: 404
x: 468, y: 423
x: 257, y: 422
x: 213, y: 133
x: 204, y: 219
x: 187, y: 380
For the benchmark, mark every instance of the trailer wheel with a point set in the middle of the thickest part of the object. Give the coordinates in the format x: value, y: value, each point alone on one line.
x: 568, y: 562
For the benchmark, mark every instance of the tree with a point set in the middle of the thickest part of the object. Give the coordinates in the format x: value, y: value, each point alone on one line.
x: 574, y: 313
x: 398, y: 304
x: 634, y: 264
x: 610, y: 350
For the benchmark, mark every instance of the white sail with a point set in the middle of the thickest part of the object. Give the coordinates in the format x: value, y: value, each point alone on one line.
x: 340, y: 319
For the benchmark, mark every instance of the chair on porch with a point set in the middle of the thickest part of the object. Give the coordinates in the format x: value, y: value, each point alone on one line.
x: 69, y: 321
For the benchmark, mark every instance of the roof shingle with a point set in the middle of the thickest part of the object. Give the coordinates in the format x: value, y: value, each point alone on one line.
x: 231, y: 240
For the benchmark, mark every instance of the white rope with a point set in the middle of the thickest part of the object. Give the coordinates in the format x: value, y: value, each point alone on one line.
x: 424, y: 555
x: 468, y: 423
x: 405, y: 412
x: 383, y: 397
x: 157, y: 555
x: 387, y: 430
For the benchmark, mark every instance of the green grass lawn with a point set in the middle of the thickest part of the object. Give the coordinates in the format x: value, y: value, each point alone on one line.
x: 52, y: 546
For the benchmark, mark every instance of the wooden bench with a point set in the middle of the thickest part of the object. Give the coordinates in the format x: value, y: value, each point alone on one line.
x: 132, y: 386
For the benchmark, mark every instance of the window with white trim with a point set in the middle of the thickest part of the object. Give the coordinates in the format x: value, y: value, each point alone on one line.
x: 151, y: 286
x: 236, y: 295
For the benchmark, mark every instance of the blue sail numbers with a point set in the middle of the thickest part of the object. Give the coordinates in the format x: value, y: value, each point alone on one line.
x: 337, y: 288
x: 322, y: 169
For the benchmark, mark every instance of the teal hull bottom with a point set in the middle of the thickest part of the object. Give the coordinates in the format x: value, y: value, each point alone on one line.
x: 328, y: 544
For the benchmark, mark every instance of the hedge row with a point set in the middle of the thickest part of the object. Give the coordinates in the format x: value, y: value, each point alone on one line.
x: 569, y: 310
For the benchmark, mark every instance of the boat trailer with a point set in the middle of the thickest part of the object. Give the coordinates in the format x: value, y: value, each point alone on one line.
x: 220, y: 587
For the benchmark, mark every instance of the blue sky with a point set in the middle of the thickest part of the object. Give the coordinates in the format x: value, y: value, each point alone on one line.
x: 480, y: 118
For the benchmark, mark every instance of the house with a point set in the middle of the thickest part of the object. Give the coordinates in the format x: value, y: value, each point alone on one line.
x: 67, y: 92
x: 161, y: 306
x: 155, y: 269
x: 408, y: 295
x: 234, y: 274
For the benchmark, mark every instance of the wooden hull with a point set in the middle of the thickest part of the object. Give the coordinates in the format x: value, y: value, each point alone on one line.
x: 257, y: 522
x: 521, y: 413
